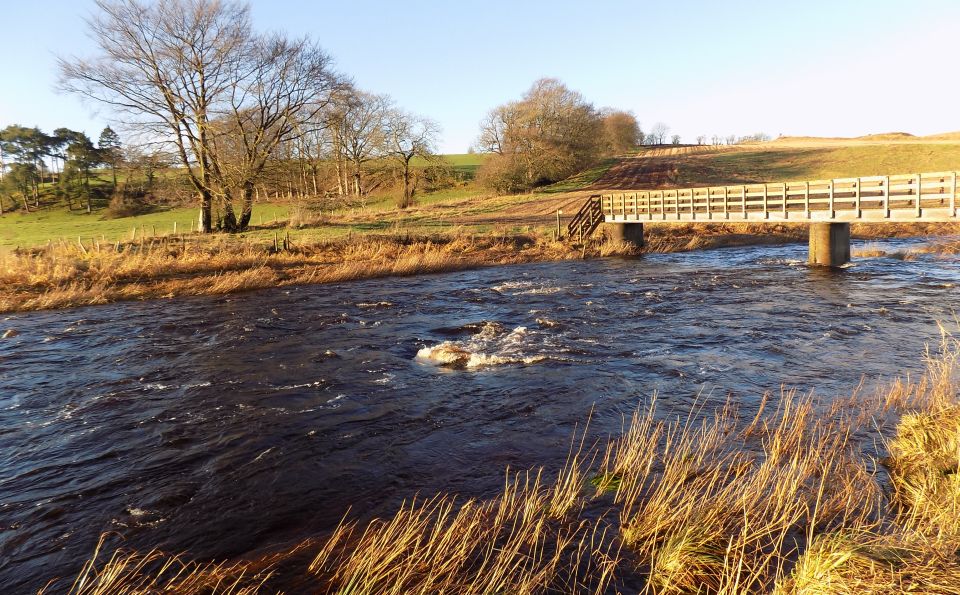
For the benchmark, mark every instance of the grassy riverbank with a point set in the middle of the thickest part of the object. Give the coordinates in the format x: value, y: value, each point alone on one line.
x: 791, y: 498
x: 73, y: 258
x: 88, y: 273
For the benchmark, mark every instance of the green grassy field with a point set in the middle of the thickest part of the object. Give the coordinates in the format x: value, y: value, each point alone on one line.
x: 36, y: 228
x: 771, y: 163
x: 465, y: 164
x: 56, y: 222
x: 582, y: 179
x: 443, y: 210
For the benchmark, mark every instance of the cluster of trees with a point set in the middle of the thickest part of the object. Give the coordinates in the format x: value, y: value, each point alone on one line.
x: 358, y: 143
x: 733, y: 139
x: 549, y: 134
x: 234, y: 106
x: 26, y: 152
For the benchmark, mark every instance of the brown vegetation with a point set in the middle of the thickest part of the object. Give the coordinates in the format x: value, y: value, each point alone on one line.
x: 65, y: 274
x: 782, y: 500
x: 550, y: 134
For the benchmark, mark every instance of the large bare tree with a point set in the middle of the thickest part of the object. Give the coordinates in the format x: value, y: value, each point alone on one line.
x: 195, y: 74
x: 407, y: 137
x: 357, y: 124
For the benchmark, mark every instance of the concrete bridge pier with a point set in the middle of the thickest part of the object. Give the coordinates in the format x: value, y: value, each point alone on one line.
x: 631, y: 233
x: 829, y: 244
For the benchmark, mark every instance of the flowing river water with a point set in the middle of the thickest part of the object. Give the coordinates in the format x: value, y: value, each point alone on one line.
x: 224, y: 426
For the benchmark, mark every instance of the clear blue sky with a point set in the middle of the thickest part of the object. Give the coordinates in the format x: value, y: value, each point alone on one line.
x: 834, y: 68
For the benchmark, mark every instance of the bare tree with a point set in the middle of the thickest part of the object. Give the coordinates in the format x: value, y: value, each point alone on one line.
x: 659, y: 133
x: 193, y: 73
x: 675, y: 139
x: 409, y: 136
x: 361, y: 124
x: 702, y: 139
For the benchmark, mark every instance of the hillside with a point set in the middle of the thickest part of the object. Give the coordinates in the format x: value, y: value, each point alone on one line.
x: 775, y: 161
x: 471, y: 207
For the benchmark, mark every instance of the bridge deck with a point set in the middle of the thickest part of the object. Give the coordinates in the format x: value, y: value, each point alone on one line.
x: 928, y: 197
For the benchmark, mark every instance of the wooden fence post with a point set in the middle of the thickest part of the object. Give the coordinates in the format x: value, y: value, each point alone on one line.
x: 919, y: 195
x: 953, y: 194
x: 856, y: 187
x: 886, y: 197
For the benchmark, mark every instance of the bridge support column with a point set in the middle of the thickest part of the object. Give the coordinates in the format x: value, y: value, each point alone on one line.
x: 631, y: 233
x: 830, y: 244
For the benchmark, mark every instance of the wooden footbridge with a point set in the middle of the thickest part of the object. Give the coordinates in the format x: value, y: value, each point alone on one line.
x: 828, y: 205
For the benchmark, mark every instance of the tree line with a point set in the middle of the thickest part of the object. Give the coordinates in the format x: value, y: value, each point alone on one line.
x: 233, y: 111
x: 233, y: 106
x: 72, y: 157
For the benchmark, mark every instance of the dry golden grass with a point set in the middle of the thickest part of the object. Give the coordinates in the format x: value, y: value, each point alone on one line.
x: 63, y: 275
x: 782, y: 501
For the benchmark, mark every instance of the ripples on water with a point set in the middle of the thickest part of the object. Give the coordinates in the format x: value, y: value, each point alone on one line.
x: 224, y: 425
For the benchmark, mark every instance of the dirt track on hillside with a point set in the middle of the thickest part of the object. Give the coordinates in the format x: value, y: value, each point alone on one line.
x: 651, y: 168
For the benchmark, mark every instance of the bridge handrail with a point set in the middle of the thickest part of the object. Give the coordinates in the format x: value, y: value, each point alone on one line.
x: 915, y: 191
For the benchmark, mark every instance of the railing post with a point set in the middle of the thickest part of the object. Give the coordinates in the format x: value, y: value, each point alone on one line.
x: 784, y: 200
x: 709, y: 211
x: 806, y: 200
x: 919, y: 195
x: 766, y: 202
x: 743, y: 201
x: 856, y: 187
x: 953, y: 194
x: 886, y: 197
x: 693, y: 211
x: 726, y: 202
x: 833, y: 213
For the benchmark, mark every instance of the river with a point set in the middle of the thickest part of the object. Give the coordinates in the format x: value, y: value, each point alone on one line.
x: 224, y: 426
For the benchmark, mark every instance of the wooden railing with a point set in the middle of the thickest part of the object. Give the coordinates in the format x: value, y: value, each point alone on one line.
x: 906, y: 197
x: 587, y: 219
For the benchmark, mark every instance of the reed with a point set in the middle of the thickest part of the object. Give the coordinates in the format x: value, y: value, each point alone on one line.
x: 783, y: 500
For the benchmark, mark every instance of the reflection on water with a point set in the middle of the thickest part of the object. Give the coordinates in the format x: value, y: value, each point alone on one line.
x: 225, y: 425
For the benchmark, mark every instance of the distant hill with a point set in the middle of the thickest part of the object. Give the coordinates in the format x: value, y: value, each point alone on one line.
x: 880, y: 137
x: 888, y: 136
x: 944, y: 136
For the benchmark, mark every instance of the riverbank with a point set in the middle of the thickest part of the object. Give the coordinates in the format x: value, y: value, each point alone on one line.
x: 855, y: 494
x: 63, y: 275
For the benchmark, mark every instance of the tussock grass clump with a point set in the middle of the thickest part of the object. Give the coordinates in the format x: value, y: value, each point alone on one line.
x: 156, y: 572
x: 925, y: 469
x: 848, y: 563
x: 784, y: 500
x: 528, y: 540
